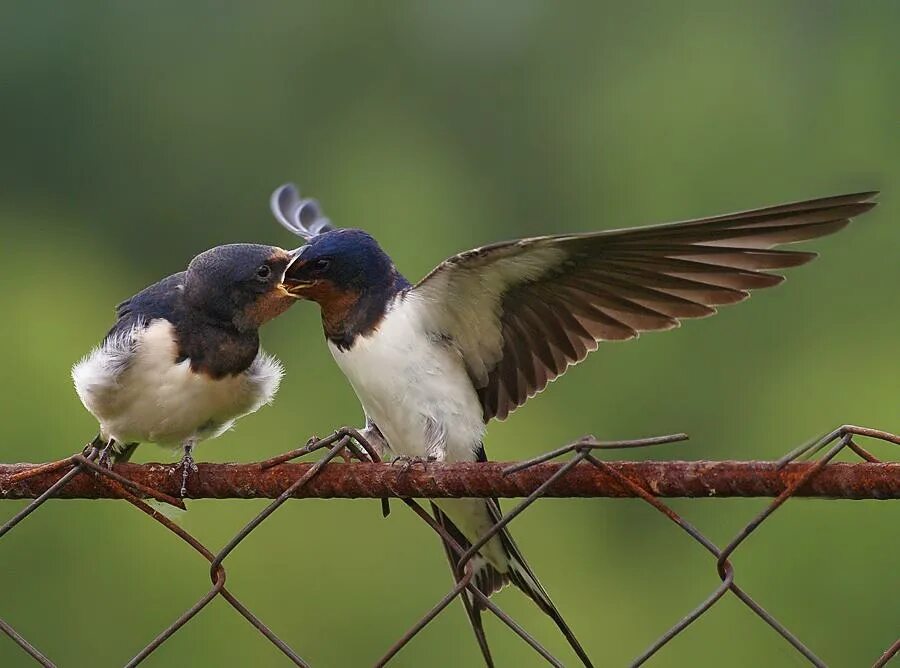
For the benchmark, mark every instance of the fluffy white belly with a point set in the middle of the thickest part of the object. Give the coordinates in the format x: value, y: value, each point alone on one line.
x: 414, y: 386
x: 138, y: 393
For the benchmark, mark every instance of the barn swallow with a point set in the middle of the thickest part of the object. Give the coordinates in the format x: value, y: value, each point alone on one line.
x: 433, y: 363
x: 182, y: 362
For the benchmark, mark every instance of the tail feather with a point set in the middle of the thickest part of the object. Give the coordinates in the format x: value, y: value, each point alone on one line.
x: 489, y: 580
x: 521, y: 575
x: 490, y: 584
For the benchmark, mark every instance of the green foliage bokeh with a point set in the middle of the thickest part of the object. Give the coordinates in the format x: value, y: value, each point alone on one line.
x: 136, y: 135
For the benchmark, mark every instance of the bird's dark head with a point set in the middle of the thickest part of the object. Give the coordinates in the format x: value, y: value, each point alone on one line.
x: 338, y: 263
x: 240, y: 283
x: 348, y: 274
x: 343, y: 270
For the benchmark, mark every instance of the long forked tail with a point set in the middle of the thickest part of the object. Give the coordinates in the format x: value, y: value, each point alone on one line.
x: 489, y: 580
x: 483, y: 579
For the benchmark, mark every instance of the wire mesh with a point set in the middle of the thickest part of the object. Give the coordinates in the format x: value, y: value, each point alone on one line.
x: 583, y: 474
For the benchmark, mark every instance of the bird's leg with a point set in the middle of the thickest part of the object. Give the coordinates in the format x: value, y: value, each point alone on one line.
x: 187, y: 464
x: 363, y: 445
x: 357, y: 443
x: 372, y: 441
x: 95, y: 444
x: 106, y: 454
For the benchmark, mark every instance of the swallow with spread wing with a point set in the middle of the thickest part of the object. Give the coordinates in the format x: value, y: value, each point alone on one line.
x: 433, y: 363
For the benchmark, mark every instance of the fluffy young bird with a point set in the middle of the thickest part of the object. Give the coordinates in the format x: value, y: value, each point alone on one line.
x: 183, y: 361
x: 433, y: 363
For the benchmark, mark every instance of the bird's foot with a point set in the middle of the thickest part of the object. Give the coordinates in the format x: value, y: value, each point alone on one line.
x: 405, y: 462
x: 106, y: 455
x: 359, y: 444
x: 187, y: 464
x: 91, y: 449
x: 352, y: 451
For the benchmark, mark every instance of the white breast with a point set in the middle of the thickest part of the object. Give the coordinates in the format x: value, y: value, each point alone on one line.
x: 136, y: 390
x: 413, y: 384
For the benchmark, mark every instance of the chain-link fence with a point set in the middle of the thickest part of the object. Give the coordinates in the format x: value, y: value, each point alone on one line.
x: 582, y: 475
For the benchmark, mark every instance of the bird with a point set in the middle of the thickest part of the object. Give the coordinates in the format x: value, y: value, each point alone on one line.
x: 183, y: 361
x: 432, y: 363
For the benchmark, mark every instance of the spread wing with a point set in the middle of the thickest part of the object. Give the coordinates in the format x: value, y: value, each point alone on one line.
x: 521, y: 312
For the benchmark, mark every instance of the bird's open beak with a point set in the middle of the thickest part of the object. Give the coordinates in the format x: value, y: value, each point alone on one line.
x: 293, y: 286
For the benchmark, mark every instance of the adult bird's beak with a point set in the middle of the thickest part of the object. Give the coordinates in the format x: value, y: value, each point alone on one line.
x: 291, y: 283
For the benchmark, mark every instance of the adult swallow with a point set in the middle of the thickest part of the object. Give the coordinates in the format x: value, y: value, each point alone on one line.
x: 183, y: 361
x: 433, y: 363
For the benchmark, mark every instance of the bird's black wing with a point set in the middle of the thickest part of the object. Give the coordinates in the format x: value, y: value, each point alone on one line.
x: 521, y: 312
x: 155, y: 301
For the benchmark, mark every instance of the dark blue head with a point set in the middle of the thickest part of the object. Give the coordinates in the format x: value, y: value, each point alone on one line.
x: 241, y: 284
x: 349, y: 276
x: 345, y: 260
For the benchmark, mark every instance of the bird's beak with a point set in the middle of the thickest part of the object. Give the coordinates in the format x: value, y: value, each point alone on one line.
x: 294, y: 287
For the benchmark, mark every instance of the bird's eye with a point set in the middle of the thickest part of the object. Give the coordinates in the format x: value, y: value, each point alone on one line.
x: 320, y: 265
x: 264, y: 272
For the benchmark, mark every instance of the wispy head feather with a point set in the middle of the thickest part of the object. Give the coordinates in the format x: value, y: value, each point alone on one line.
x: 303, y: 217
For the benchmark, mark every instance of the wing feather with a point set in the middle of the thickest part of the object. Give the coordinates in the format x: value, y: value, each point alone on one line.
x: 521, y: 312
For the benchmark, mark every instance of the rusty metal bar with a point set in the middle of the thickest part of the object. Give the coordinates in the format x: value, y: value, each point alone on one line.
x: 583, y: 474
x: 665, y: 479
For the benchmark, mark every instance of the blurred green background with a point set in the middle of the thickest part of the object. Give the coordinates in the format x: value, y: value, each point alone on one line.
x: 135, y: 135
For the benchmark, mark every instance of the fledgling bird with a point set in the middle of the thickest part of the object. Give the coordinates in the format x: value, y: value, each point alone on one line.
x: 433, y: 363
x: 183, y: 361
